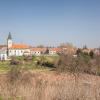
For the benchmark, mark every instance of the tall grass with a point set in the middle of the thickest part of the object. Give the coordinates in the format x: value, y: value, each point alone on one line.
x: 42, y: 86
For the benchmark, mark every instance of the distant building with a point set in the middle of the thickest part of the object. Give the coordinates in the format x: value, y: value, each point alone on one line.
x: 3, y: 52
x: 97, y: 51
x: 38, y: 51
x: 16, y: 49
x: 53, y: 51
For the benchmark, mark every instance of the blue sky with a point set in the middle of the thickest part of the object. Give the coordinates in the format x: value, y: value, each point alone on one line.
x: 51, y: 22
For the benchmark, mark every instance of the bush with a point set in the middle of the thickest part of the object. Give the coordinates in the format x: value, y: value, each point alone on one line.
x: 83, y: 63
x: 91, y: 54
x: 45, y: 64
x: 29, y: 58
x: 15, y: 62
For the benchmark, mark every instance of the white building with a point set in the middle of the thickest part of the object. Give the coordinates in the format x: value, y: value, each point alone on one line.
x: 38, y: 51
x: 16, y: 49
x: 53, y: 51
x: 3, y: 53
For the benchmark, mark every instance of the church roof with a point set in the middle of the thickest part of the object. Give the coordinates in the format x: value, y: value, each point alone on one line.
x: 9, y: 36
x: 20, y: 46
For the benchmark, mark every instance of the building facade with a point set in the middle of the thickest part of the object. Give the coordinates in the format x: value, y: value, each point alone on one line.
x: 13, y: 49
x: 16, y: 49
x: 3, y: 52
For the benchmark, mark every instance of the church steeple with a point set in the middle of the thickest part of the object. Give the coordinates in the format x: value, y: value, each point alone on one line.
x: 9, y: 41
x: 9, y: 36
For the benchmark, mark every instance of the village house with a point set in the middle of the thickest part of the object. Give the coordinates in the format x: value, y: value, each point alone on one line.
x: 53, y: 51
x: 97, y: 51
x: 3, y: 52
x: 38, y: 51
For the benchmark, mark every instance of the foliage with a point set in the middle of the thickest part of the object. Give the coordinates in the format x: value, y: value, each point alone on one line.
x: 91, y: 54
x: 83, y: 63
x: 40, y: 46
x: 45, y: 61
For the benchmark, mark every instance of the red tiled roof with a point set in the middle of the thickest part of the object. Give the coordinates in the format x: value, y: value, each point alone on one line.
x: 19, y: 46
x: 39, y: 49
x: 56, y: 49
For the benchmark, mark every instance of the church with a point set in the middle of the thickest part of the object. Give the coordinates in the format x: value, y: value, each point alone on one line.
x: 13, y: 49
x: 16, y: 49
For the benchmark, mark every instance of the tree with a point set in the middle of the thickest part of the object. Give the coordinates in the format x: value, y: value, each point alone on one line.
x: 91, y: 54
x: 85, y: 47
x: 40, y: 46
x: 47, y: 51
x: 68, y: 48
x: 78, y: 52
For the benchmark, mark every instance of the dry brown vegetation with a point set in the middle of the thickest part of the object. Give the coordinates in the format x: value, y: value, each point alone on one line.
x: 49, y: 86
x: 83, y: 63
x: 73, y: 83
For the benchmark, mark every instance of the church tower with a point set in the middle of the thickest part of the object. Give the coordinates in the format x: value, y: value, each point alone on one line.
x: 9, y: 41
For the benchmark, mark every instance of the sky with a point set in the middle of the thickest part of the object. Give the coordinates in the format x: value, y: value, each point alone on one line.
x: 51, y: 22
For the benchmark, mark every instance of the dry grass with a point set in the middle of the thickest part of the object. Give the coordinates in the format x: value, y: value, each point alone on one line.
x: 50, y: 86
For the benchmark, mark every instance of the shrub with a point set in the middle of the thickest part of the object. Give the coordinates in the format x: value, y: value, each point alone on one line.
x: 29, y: 58
x: 45, y: 64
x: 91, y: 53
x: 15, y: 62
x: 83, y: 63
x: 63, y: 64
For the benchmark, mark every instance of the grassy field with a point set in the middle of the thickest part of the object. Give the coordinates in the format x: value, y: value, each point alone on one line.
x: 5, y: 66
